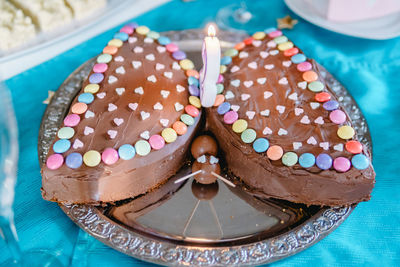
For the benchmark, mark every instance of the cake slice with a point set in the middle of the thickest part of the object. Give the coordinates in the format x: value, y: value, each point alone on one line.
x: 129, y: 128
x: 282, y: 130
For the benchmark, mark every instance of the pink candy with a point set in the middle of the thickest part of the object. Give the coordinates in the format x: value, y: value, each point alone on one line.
x: 337, y: 116
x: 230, y: 117
x: 192, y: 110
x: 341, y: 164
x: 55, y: 161
x: 72, y: 120
x: 275, y: 34
x: 156, y: 142
x: 172, y: 47
x: 304, y: 66
x: 109, y: 156
x: 220, y: 79
x: 100, y: 67
x: 127, y: 29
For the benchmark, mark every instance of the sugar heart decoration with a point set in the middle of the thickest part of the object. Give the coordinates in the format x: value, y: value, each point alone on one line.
x: 314, y: 105
x: 311, y: 141
x: 161, y: 49
x: 158, y: 106
x: 282, y: 132
x: 269, y: 66
x: 120, y: 70
x: 261, y: 80
x: 338, y: 147
x: 89, y: 114
x: 176, y: 66
x: 111, y: 107
x: 145, y: 135
x: 283, y: 81
x: 235, y: 83
x: 120, y: 90
x: 243, y: 54
x: 145, y: 115
x: 132, y: 40
x: 88, y: 130
x: 252, y: 65
x: 298, y: 111
x: 118, y: 121
x: 280, y: 109
x: 180, y: 88
x: 248, y: 83
x: 138, y: 49
x: 324, y: 145
x: 139, y: 90
x: 305, y: 120
x: 234, y: 69
x: 297, y: 145
x: 235, y: 107
x: 287, y: 63
x: 101, y: 95
x: 267, y: 130
x: 267, y: 94
x: 265, y: 112
x: 178, y: 106
x: 213, y: 160
x: 136, y: 64
x: 273, y: 52
x: 229, y: 95
x: 319, y: 120
x: 271, y: 44
x: 160, y: 66
x: 164, y: 122
x: 150, y: 57
x: 201, y: 159
x: 112, y: 79
x: 119, y: 59
x: 77, y: 144
x: 293, y: 96
x: 152, y: 78
x: 250, y: 114
x: 257, y: 43
x: 148, y: 40
x: 133, y: 106
x: 168, y: 74
x: 164, y: 93
x: 112, y: 133
x: 302, y: 85
x: 244, y: 97
x: 264, y: 54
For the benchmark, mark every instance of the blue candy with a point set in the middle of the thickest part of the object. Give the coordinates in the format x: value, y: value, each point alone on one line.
x: 61, y: 146
x: 268, y: 30
x: 86, y: 98
x: 307, y: 160
x: 122, y: 36
x: 360, y: 162
x: 74, y: 160
x: 163, y: 40
x: 298, y: 58
x: 193, y: 81
x: 261, y: 145
x: 223, y: 108
x: 126, y: 151
x: 226, y: 60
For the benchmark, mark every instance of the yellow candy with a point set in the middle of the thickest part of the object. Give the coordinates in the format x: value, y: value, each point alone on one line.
x: 91, y: 88
x: 186, y: 64
x: 169, y: 135
x: 195, y: 101
x: 143, y: 30
x: 92, y: 158
x: 222, y: 69
x: 285, y: 46
x: 259, y: 35
x: 345, y: 132
x: 239, y: 126
x: 115, y: 42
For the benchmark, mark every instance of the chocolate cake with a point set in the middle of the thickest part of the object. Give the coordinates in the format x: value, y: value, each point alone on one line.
x: 282, y: 130
x: 129, y: 128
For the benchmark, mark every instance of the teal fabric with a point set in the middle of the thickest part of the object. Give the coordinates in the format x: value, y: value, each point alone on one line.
x: 370, y: 71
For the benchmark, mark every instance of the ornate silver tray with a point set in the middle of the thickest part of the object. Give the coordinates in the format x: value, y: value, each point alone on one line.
x: 209, y: 226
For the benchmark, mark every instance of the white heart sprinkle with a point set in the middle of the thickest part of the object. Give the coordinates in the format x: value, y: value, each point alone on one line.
x: 164, y: 93
x: 244, y: 97
x: 324, y: 145
x: 256, y: 43
x: 269, y: 66
x: 287, y: 63
x: 145, y: 135
x: 144, y: 115
x: 314, y: 105
x: 280, y: 109
x: 338, y: 147
x: 234, y: 69
x: 180, y: 88
x: 302, y: 85
x: 120, y: 70
x: 101, y: 95
x: 283, y: 81
x: 267, y: 131
x: 118, y: 121
x: 133, y: 106
x: 293, y: 96
x: 298, y: 111
x: 120, y: 90
x: 158, y: 106
x: 119, y: 59
x: 213, y: 160
x: 160, y: 66
x: 176, y: 66
x: 243, y: 54
x: 250, y: 114
x: 201, y: 159
x: 111, y: 107
x: 138, y: 49
x: 264, y: 54
x: 235, y: 107
x: 139, y: 90
x: 267, y: 94
x: 282, y: 132
x: 136, y: 64
x: 248, y: 83
x: 265, y: 112
x: 89, y: 114
x: 148, y: 40
x: 131, y: 40
x: 305, y: 120
x: 311, y: 141
x: 88, y: 130
x: 319, y: 120
x: 112, y: 79
x: 112, y: 133
x: 297, y: 145
x: 150, y: 57
x: 178, y: 106
x: 252, y: 65
x: 261, y: 80
x: 152, y: 78
x: 168, y: 74
x: 229, y: 95
x: 271, y: 44
x: 161, y: 49
x: 273, y: 52
x: 77, y: 144
x: 164, y: 122
x: 235, y: 83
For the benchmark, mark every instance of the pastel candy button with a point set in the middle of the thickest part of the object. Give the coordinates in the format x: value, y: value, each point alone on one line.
x: 100, y: 67
x: 65, y: 133
x: 291, y: 52
x: 219, y: 99
x: 316, y: 86
x: 186, y: 64
x: 171, y: 47
x: 72, y: 120
x: 360, y: 162
x: 323, y: 97
x: 341, y: 164
x: 274, y: 152
x: 324, y: 161
x: 86, y: 98
x: 275, y: 34
x: 304, y: 66
x: 310, y: 76
x: 226, y: 60
x: 143, y: 30
x: 240, y: 46
x: 307, y: 160
x: 331, y: 105
x: 239, y: 126
x: 127, y: 29
x: 223, y: 108
x: 261, y: 145
x: 153, y: 35
x: 337, y: 116
x: 163, y: 40
x: 194, y: 90
x: 269, y: 30
x: 231, y: 52
x: 96, y: 78
x: 104, y: 58
x: 142, y: 147
x: 79, y: 108
x: 195, y: 101
x: 220, y: 88
x: 74, y: 160
x: 91, y: 88
x: 55, y: 161
x: 230, y: 117
x: 354, y: 147
x: 220, y: 79
x: 179, y: 55
x: 61, y: 146
x: 110, y: 50
x: 298, y: 58
x: 248, y: 41
x: 92, y: 158
x: 115, y: 42
x: 248, y: 136
x: 126, y: 152
x: 259, y: 35
x: 121, y: 36
x: 289, y: 159
x: 222, y: 69
x: 285, y: 46
x: 193, y: 73
x: 281, y: 39
x: 187, y: 119
x: 169, y: 135
x: 156, y: 142
x: 179, y: 127
x: 345, y: 132
x: 109, y: 156
x: 133, y: 24
x: 193, y: 81
x: 192, y: 111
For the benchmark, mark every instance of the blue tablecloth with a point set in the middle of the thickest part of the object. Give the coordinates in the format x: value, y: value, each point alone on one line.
x: 370, y: 71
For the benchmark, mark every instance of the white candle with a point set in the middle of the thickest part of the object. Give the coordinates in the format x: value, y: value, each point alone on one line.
x: 211, y: 53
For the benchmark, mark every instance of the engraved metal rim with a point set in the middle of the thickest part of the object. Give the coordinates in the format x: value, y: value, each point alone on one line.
x: 91, y: 220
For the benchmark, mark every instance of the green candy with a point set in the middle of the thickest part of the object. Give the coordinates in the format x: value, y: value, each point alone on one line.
x: 153, y: 35
x: 142, y: 147
x: 104, y: 58
x: 289, y: 159
x: 281, y: 39
x: 220, y: 88
x: 248, y: 135
x: 231, y: 52
x: 316, y: 86
x: 65, y: 133
x: 187, y: 119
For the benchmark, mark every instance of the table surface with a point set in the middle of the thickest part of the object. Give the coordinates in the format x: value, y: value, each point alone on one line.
x: 370, y: 71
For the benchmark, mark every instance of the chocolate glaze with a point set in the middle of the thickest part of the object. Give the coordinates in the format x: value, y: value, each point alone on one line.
x: 125, y: 179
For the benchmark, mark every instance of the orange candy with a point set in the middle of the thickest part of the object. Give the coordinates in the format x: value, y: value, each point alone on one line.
x: 193, y: 73
x: 274, y: 152
x: 110, y: 50
x: 179, y: 127
x: 219, y: 100
x: 240, y: 46
x: 291, y: 52
x: 310, y: 76
x: 79, y: 108
x: 354, y: 147
x: 323, y: 97
x: 248, y: 41
x: 192, y: 111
